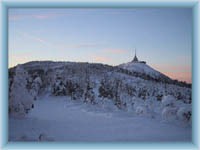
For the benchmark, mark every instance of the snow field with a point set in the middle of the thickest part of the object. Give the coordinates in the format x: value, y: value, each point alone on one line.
x: 61, y: 119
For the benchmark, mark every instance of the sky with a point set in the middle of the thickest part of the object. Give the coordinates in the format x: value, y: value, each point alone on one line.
x: 161, y: 36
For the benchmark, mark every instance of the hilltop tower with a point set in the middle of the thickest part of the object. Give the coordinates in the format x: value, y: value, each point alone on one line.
x: 135, y: 59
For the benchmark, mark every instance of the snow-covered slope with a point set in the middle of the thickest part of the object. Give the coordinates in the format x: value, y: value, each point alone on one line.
x: 142, y: 68
x: 102, y: 87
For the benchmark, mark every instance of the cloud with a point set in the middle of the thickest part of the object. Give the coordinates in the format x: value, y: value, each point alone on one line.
x: 52, y: 14
x: 58, y: 46
x: 42, y: 16
x: 82, y: 46
x: 49, y: 15
x: 35, y: 38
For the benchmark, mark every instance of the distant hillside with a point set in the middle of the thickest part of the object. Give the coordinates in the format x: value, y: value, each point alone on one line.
x: 150, y: 73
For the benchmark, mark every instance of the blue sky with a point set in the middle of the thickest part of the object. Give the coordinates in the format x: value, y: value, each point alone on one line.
x: 162, y: 36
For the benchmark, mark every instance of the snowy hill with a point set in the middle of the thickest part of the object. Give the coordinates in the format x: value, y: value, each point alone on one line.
x: 129, y: 76
x: 135, y: 89
x: 92, y: 83
x: 142, y: 68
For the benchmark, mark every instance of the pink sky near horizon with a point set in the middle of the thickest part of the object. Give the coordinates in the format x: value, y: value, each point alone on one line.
x: 178, y: 72
x: 107, y: 36
x: 181, y: 73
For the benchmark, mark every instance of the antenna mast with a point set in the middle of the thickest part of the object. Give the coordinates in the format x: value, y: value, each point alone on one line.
x: 135, y: 52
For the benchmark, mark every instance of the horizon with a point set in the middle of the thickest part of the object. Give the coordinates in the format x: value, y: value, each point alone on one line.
x: 107, y: 36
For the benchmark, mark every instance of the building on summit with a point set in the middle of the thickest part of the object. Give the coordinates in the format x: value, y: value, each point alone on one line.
x: 136, y: 60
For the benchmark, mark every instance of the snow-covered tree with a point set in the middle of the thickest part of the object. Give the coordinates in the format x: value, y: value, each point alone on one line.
x: 89, y: 95
x: 184, y: 113
x: 141, y: 110
x: 168, y: 100
x: 36, y: 84
x: 20, y: 101
x: 169, y: 113
x: 58, y: 87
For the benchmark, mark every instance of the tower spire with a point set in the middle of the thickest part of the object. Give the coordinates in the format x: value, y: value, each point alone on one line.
x: 135, y: 52
x: 135, y: 59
